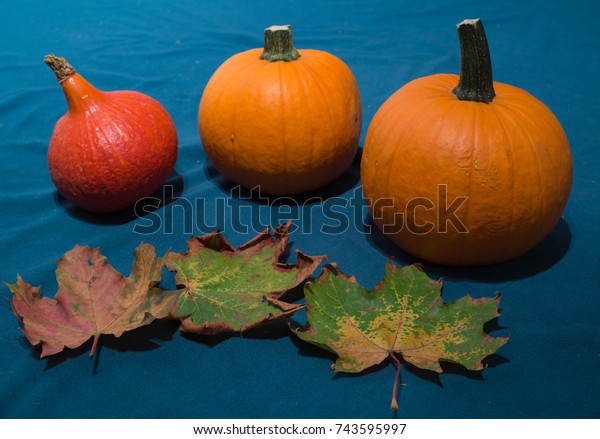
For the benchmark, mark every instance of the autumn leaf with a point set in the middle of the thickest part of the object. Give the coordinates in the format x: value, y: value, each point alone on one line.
x: 227, y: 289
x: 92, y: 299
x: 403, y: 314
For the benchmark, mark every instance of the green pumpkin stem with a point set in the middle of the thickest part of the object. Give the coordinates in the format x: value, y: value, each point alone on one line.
x: 279, y: 45
x: 475, y: 82
x: 61, y: 68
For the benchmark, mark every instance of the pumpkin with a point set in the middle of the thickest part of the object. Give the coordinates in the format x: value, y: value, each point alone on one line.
x: 470, y: 174
x: 111, y: 148
x: 283, y: 119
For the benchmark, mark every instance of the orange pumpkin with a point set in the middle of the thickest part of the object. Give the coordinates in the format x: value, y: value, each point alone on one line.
x: 285, y: 120
x: 469, y: 174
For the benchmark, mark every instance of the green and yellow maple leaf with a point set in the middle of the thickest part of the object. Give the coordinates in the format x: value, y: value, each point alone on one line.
x: 403, y: 314
x: 233, y: 290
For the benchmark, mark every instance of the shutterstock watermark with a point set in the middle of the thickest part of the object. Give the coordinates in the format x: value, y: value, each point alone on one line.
x: 446, y: 215
x: 250, y: 211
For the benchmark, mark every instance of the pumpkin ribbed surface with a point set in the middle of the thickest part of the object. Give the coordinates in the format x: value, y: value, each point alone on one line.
x: 286, y: 126
x: 507, y: 164
x: 110, y: 148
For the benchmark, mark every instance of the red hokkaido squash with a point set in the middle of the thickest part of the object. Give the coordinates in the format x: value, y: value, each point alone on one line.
x: 283, y: 119
x: 462, y: 170
x: 111, y: 148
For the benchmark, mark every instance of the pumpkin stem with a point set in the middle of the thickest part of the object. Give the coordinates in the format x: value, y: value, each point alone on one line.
x: 279, y: 45
x: 61, y: 68
x: 475, y: 82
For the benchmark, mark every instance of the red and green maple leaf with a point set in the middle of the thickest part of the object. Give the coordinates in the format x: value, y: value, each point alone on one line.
x: 92, y: 299
x: 404, y: 314
x: 232, y: 290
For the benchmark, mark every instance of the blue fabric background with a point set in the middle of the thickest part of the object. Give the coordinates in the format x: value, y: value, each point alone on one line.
x: 169, y: 49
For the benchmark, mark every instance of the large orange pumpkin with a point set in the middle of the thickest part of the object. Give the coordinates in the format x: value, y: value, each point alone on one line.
x: 469, y: 174
x: 285, y: 120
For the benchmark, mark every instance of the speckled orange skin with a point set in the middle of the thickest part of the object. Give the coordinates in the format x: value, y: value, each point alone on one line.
x: 288, y: 127
x: 510, y: 157
x: 110, y: 148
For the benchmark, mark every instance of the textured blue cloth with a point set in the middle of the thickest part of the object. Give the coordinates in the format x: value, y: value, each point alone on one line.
x: 169, y: 49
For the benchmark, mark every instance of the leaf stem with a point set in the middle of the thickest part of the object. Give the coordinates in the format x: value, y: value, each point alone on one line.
x: 94, y: 345
x: 394, y: 405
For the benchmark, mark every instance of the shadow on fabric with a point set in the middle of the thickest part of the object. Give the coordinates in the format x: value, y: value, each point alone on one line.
x: 537, y: 260
x: 337, y: 187
x: 270, y: 331
x: 143, y: 207
x: 145, y: 338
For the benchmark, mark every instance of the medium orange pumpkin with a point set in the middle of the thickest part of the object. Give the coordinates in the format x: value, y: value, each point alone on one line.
x: 285, y: 120
x: 469, y: 174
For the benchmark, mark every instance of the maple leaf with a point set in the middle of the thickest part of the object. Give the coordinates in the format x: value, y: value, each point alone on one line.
x: 228, y: 289
x: 403, y: 314
x: 92, y: 299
